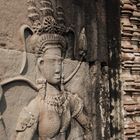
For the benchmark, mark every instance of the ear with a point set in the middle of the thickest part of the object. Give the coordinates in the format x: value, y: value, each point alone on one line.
x: 40, y: 63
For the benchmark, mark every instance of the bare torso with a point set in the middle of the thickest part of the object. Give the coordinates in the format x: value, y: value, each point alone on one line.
x: 49, y: 122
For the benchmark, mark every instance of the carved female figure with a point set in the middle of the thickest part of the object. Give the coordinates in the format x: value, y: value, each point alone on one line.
x: 50, y: 113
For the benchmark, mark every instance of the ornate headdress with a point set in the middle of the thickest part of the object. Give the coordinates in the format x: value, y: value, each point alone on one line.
x: 43, y: 18
x: 47, y: 27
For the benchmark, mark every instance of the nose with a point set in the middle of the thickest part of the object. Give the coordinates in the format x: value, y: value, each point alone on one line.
x: 57, y: 68
x: 57, y: 71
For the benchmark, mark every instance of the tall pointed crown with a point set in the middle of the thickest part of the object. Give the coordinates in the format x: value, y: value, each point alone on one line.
x: 43, y: 18
x: 48, y: 26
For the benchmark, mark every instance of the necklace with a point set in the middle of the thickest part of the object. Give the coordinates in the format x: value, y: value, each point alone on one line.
x: 57, y: 102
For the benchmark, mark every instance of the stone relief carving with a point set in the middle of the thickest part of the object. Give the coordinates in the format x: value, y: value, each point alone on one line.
x: 56, y: 104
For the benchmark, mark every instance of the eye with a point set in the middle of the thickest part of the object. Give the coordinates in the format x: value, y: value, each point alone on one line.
x: 50, y: 61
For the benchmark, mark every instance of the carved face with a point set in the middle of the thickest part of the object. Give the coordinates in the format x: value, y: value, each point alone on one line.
x: 51, y: 65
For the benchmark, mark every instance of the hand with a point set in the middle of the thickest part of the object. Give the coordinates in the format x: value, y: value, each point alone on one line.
x: 88, y: 136
x: 61, y: 136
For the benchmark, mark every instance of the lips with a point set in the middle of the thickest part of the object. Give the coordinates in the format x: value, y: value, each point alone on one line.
x: 57, y: 77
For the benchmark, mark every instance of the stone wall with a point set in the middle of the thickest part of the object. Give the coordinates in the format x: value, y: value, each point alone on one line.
x: 130, y: 68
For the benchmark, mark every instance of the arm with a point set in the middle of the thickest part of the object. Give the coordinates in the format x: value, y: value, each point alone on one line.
x: 77, y: 113
x: 27, y: 121
x: 86, y: 124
